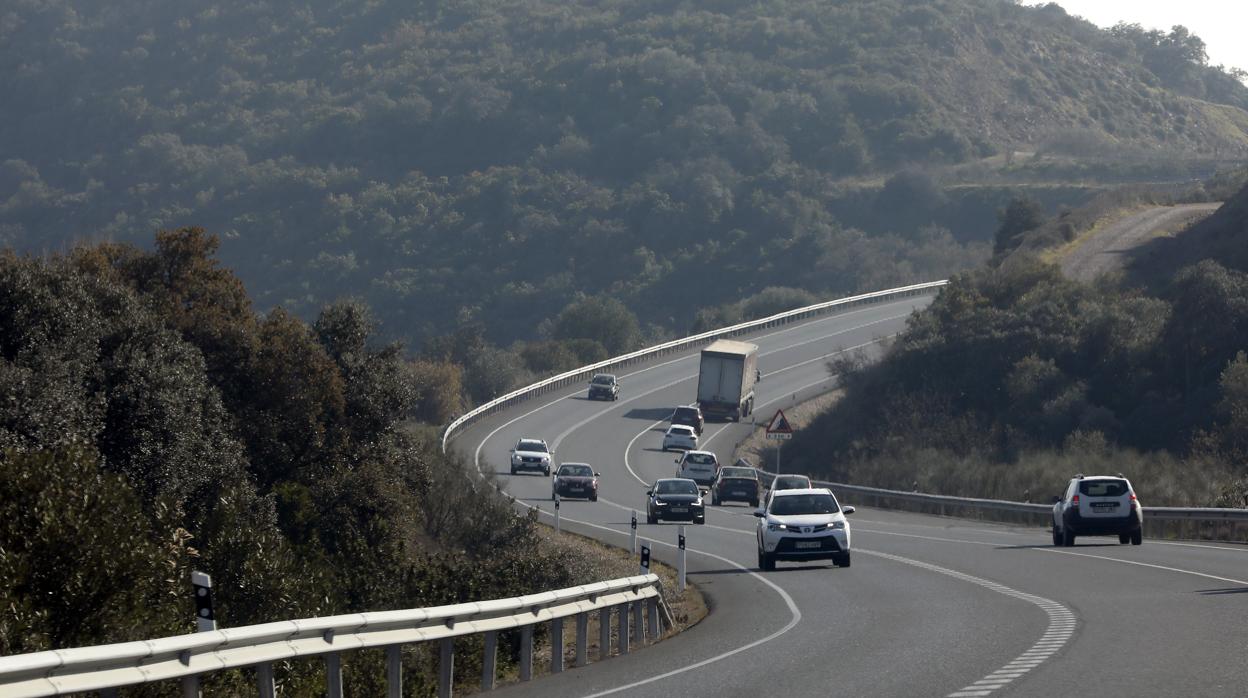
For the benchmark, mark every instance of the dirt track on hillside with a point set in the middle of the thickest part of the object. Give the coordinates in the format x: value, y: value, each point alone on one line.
x: 1107, y: 250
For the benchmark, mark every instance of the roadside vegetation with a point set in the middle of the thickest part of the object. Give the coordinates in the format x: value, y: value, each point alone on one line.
x: 1016, y: 378
x: 151, y: 422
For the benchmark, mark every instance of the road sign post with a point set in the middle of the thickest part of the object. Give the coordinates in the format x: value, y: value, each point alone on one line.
x: 779, y: 430
x: 557, y: 513
x: 645, y: 558
x: 633, y: 536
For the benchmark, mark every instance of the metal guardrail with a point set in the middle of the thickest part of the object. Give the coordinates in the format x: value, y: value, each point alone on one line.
x: 563, y: 380
x: 105, y: 668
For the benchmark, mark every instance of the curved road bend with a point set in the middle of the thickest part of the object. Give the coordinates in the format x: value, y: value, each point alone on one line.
x: 930, y: 607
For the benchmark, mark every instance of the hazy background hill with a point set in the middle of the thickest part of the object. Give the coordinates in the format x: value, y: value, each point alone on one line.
x: 452, y: 162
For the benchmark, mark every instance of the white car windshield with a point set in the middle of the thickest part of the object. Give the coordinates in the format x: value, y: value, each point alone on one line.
x: 604, y: 380
x: 536, y: 446
x: 800, y: 504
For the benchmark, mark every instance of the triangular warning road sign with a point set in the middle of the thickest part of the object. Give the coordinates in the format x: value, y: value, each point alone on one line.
x: 779, y: 425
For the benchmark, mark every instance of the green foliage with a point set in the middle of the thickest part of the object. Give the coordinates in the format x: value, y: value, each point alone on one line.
x: 601, y: 319
x: 1020, y: 216
x: 308, y: 492
x: 84, y: 558
x: 1015, y: 377
x: 491, y: 162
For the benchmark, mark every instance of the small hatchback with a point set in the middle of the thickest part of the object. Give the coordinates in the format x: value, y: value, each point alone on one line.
x: 679, y: 436
x: 675, y: 499
x: 699, y: 466
x: 575, y: 480
x: 735, y: 484
x: 1098, y: 505
x: 690, y: 416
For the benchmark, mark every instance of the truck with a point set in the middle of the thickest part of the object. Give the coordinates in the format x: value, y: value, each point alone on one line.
x: 726, y: 377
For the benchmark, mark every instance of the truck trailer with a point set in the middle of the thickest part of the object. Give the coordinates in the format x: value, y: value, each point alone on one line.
x: 726, y: 378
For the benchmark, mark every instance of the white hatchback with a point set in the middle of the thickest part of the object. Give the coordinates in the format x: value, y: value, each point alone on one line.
x: 679, y: 436
x: 800, y: 525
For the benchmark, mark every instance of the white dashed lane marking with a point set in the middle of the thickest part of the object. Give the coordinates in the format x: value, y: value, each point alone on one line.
x: 1062, y: 624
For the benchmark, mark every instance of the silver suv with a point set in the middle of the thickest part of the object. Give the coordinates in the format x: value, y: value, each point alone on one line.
x: 1097, y: 505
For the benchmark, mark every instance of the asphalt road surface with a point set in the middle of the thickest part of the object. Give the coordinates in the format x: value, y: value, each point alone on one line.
x: 931, y: 606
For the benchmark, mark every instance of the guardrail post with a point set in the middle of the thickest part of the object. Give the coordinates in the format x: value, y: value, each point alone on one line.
x: 639, y: 628
x: 264, y: 681
x: 582, y: 639
x: 394, y: 671
x: 556, y: 645
x: 526, y: 653
x: 604, y: 633
x: 190, y: 688
x: 108, y: 693
x: 623, y: 630
x: 633, y: 524
x: 333, y: 675
x: 680, y: 558
x: 446, y: 667
x: 652, y: 617
x: 488, y: 661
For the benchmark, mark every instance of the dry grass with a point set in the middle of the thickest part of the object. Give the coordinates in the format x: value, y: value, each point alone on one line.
x: 761, y: 451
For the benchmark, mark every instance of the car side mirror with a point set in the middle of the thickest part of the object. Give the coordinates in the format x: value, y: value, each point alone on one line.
x: 759, y: 512
x: 1056, y: 500
x: 597, y: 474
x: 703, y: 492
x: 650, y: 493
x: 848, y: 510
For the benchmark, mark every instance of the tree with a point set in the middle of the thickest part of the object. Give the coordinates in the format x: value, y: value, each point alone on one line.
x: 83, y: 561
x: 1021, y: 215
x: 599, y: 318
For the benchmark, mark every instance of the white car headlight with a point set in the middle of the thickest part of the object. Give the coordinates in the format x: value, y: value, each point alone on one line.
x: 771, y: 526
x: 837, y: 524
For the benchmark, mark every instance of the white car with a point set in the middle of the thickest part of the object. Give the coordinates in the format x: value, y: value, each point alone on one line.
x: 699, y: 466
x: 531, y: 454
x: 679, y: 436
x: 800, y: 525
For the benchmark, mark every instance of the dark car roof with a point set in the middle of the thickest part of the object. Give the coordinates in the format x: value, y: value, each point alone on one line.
x: 790, y: 482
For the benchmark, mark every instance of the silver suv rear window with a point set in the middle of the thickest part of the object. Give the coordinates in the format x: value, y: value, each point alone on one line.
x: 1103, y: 488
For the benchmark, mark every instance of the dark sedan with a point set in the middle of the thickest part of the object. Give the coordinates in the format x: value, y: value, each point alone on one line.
x: 735, y: 483
x: 575, y: 480
x: 675, y: 499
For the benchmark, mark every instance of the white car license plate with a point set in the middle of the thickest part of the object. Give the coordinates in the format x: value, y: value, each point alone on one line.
x: 680, y: 510
x: 806, y: 544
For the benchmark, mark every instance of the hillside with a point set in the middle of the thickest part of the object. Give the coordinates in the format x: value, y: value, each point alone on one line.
x: 1221, y: 236
x: 1018, y: 376
x: 450, y: 162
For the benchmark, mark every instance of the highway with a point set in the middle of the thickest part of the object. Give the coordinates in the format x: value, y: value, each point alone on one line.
x: 931, y: 606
